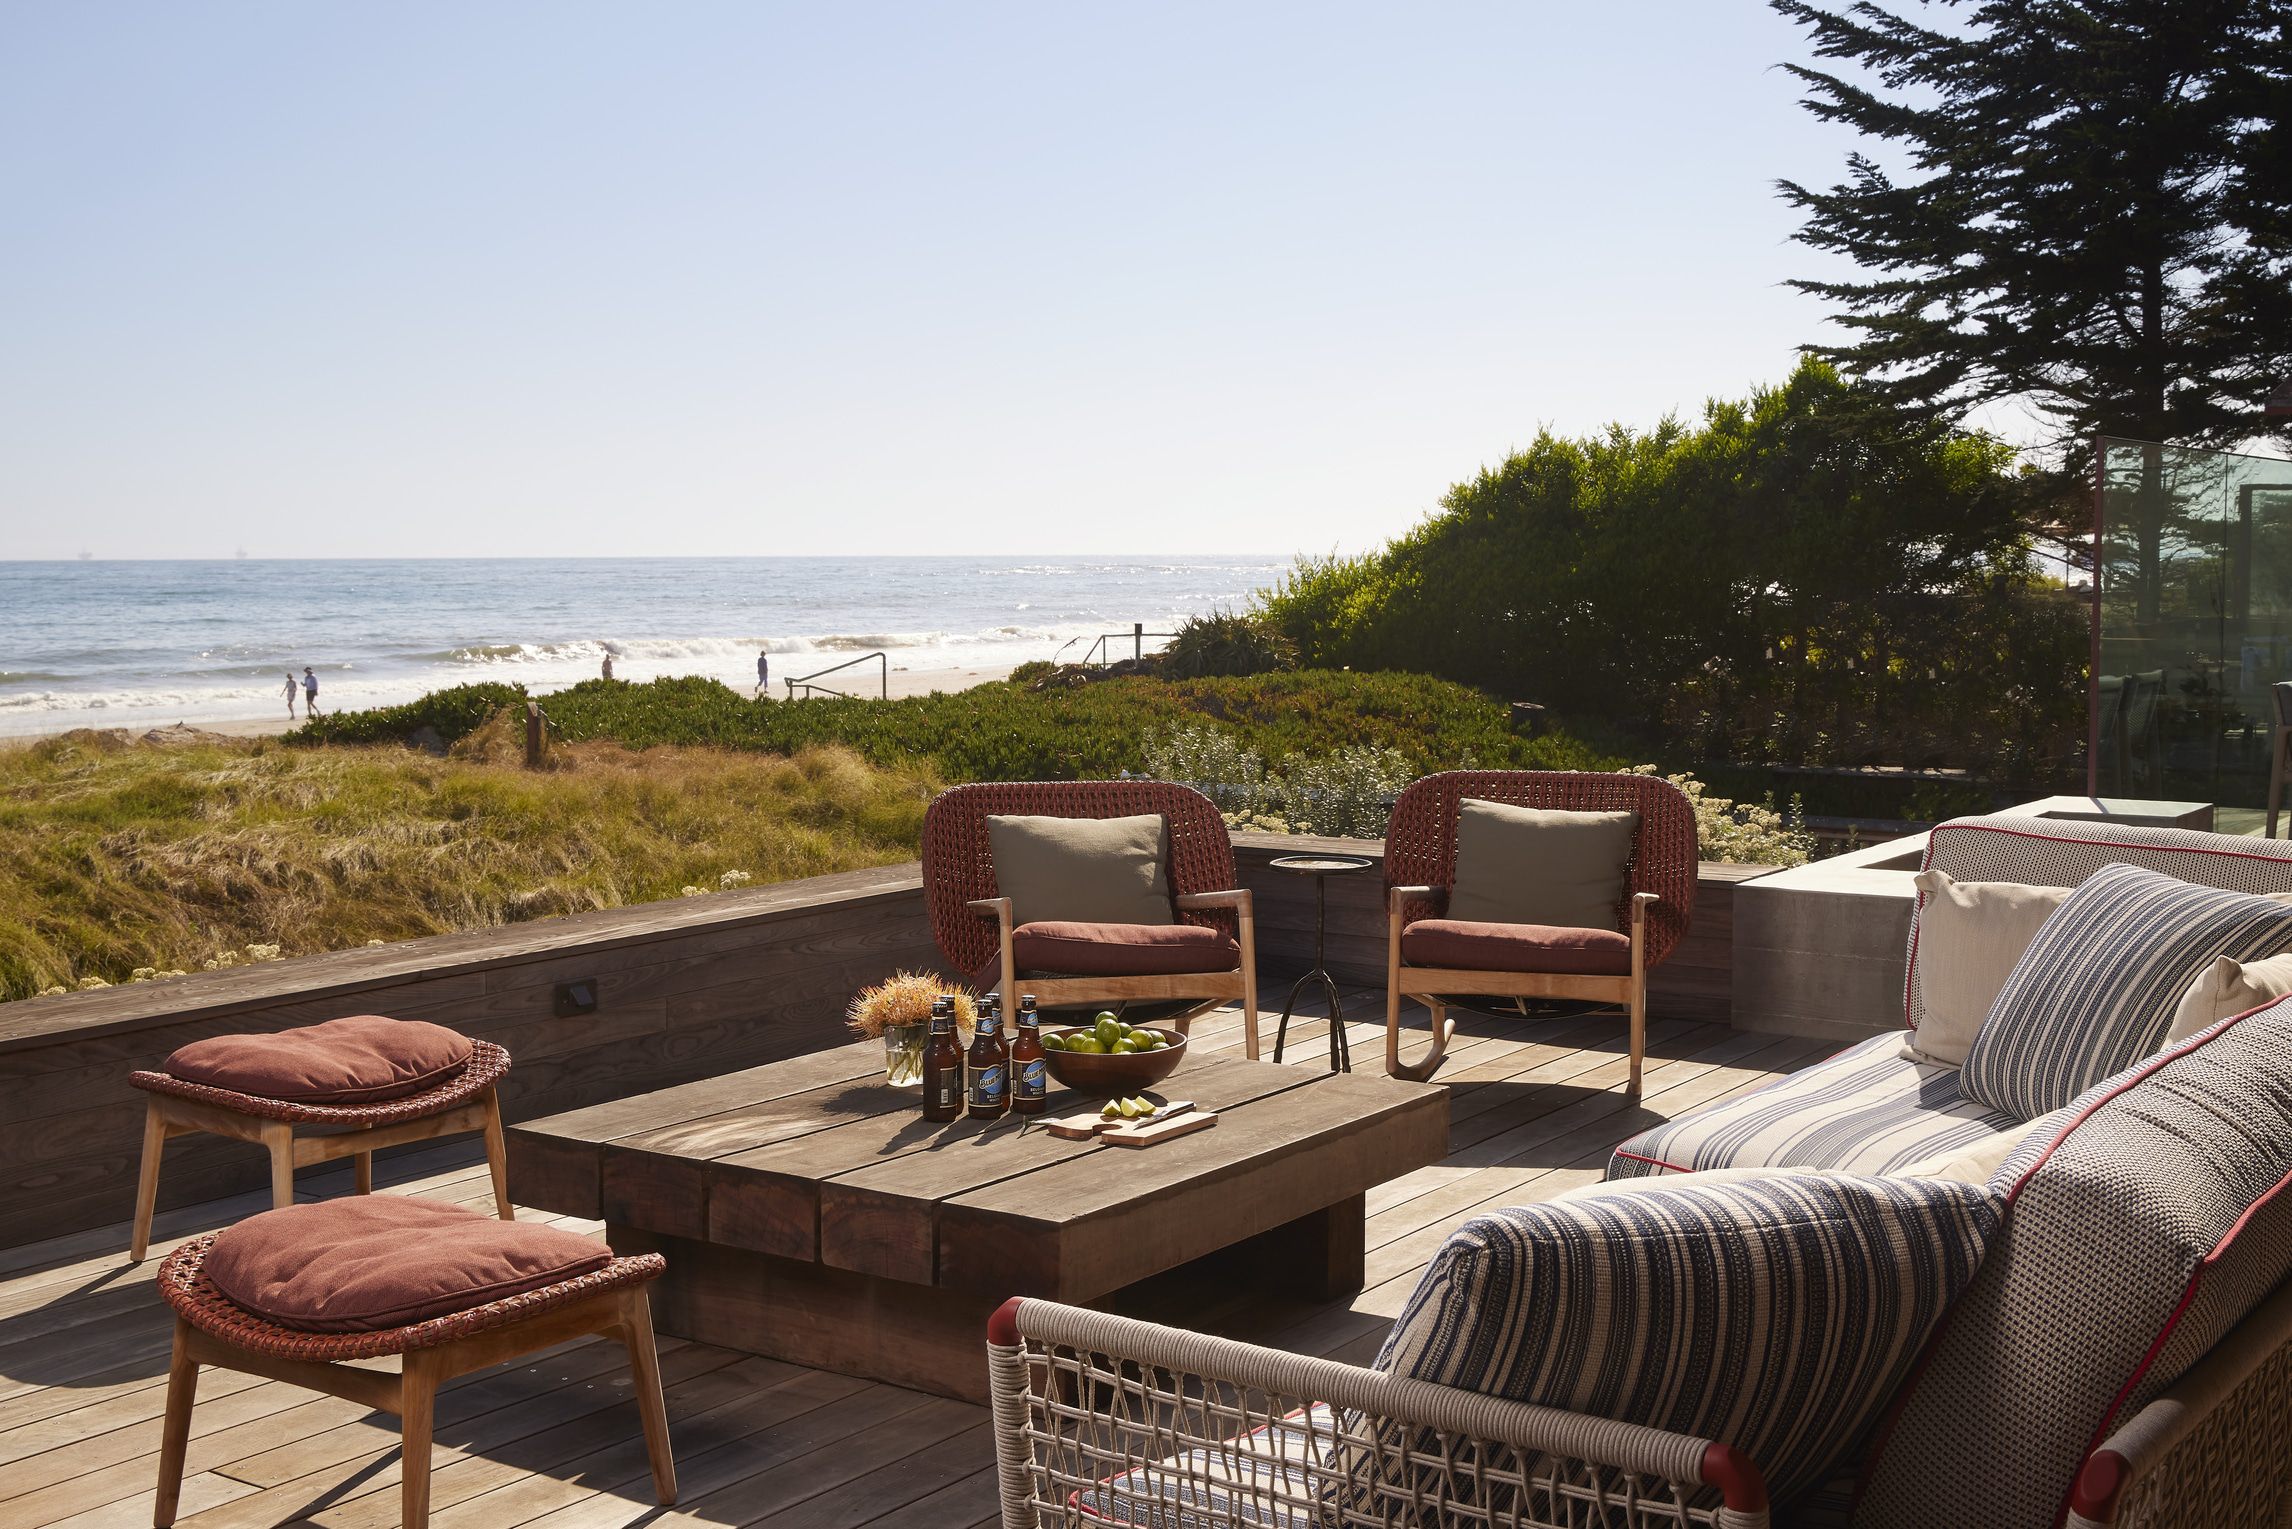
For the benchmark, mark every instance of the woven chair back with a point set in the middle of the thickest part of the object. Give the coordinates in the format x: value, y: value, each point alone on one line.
x: 959, y: 863
x: 1420, y: 840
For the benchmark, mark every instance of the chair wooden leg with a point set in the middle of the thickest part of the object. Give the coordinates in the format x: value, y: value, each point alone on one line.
x: 1442, y: 1029
x: 645, y: 1372
x: 497, y: 1157
x: 362, y: 1172
x: 2279, y: 741
x: 147, y: 1180
x: 278, y: 1137
x: 175, y: 1431
x: 1249, y: 983
x: 417, y: 1415
x: 1638, y: 1038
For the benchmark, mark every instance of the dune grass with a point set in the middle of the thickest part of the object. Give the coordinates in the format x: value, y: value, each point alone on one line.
x: 115, y: 857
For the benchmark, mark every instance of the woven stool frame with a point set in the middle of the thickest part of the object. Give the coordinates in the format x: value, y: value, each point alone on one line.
x: 464, y: 1102
x: 211, y: 1329
x: 1101, y: 1419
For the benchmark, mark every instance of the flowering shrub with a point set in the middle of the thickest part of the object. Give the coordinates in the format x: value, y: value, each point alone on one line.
x: 1746, y: 833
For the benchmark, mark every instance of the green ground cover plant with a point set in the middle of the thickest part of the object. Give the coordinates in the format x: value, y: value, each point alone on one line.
x: 1009, y: 731
x: 123, y: 860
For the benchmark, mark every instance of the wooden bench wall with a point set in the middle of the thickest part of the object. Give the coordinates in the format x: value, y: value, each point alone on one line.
x: 688, y: 989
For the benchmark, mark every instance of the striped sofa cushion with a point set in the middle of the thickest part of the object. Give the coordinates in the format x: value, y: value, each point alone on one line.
x: 1774, y: 1312
x: 2051, y: 852
x: 1867, y: 1110
x: 2135, y: 1236
x: 2096, y: 990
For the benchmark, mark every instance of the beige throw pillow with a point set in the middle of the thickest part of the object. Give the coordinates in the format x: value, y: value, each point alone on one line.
x: 1970, y: 934
x: 1975, y: 1162
x: 1532, y: 865
x: 2227, y: 987
x: 1081, y: 870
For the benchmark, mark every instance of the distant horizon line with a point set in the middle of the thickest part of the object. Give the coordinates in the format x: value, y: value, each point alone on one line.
x: 673, y: 557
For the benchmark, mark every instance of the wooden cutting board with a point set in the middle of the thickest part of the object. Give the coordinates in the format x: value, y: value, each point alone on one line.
x: 1177, y: 1117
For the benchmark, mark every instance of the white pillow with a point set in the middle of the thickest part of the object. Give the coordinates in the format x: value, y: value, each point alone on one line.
x: 2227, y: 987
x: 1970, y: 934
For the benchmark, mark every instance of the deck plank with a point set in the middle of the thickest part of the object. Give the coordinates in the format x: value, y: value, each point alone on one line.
x: 552, y: 1441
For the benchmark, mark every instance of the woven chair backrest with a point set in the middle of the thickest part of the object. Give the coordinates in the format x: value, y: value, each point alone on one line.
x: 1420, y: 840
x: 959, y: 863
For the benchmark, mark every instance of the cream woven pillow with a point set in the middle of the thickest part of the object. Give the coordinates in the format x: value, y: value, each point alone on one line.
x: 1970, y: 934
x: 2227, y: 987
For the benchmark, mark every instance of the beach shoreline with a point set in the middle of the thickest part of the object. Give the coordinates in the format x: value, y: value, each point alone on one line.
x: 898, y: 684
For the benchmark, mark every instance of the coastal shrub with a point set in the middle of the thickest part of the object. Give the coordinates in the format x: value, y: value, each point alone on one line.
x: 1805, y: 577
x: 1005, y: 731
x: 1225, y: 644
x: 451, y: 714
x: 137, y: 864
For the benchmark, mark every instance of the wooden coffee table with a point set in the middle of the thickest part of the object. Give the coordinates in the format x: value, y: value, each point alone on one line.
x: 809, y: 1212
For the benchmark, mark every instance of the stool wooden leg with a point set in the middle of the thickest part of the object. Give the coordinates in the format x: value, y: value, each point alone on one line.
x: 417, y: 1413
x: 497, y: 1157
x: 175, y: 1432
x: 147, y: 1180
x: 645, y: 1371
x: 278, y: 1136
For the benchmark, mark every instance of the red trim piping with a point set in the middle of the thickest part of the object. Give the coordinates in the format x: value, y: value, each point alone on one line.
x: 1737, y: 1477
x: 1873, y: 1456
x: 2163, y: 849
x: 2172, y: 1323
x: 1003, y: 1324
x: 1656, y: 1161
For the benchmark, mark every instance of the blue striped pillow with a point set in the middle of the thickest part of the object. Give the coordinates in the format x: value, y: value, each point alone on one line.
x: 1775, y: 1312
x: 2096, y: 990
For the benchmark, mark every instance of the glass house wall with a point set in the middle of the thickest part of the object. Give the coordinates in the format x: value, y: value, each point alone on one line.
x: 2193, y: 625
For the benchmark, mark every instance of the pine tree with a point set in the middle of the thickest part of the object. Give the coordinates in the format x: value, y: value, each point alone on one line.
x: 2094, y: 215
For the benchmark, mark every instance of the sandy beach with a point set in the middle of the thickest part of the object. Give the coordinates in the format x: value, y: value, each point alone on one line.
x: 900, y: 682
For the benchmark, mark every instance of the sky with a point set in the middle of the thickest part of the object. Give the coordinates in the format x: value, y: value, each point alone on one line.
x: 498, y: 279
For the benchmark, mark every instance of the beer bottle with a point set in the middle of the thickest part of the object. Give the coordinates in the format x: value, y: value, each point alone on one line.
x: 1030, y: 1074
x: 943, y: 1065
x: 990, y: 1065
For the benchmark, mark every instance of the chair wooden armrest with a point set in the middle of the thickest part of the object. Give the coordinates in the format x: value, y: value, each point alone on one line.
x: 1244, y: 904
x: 1397, y: 898
x: 1143, y: 1417
x: 1239, y: 898
x: 996, y: 908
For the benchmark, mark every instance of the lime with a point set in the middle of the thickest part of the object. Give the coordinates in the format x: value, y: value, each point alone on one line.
x: 1105, y: 1015
x: 1084, y: 1043
x: 1124, y: 1048
x: 1108, y: 1029
x: 1053, y: 1043
x: 1128, y: 1108
x: 1110, y: 1111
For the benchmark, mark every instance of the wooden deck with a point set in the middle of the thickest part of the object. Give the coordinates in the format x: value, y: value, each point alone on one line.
x: 553, y: 1442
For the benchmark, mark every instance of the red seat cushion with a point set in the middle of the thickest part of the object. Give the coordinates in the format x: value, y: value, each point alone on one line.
x: 367, y: 1262
x: 1118, y: 950
x: 1464, y: 945
x: 360, y: 1060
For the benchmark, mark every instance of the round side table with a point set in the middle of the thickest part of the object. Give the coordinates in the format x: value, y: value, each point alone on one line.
x: 1320, y: 868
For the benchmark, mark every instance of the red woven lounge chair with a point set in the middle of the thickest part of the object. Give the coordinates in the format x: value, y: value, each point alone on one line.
x: 971, y: 918
x: 1424, y: 963
x: 297, y: 1134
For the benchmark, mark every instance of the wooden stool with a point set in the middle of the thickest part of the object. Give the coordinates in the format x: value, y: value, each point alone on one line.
x: 463, y: 1102
x: 212, y: 1329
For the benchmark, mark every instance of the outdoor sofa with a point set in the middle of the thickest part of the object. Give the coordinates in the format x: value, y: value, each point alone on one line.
x: 2044, y: 1286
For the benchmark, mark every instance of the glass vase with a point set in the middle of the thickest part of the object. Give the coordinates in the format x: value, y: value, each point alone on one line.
x: 903, y: 1054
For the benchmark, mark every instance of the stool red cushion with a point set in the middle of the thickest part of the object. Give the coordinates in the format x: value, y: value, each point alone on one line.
x: 364, y: 1059
x: 365, y: 1262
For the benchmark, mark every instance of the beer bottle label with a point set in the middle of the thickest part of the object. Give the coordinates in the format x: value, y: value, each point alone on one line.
x: 987, y: 1087
x: 946, y: 1092
x: 1034, y: 1079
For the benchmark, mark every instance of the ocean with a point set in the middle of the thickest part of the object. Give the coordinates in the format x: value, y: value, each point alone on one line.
x: 145, y: 644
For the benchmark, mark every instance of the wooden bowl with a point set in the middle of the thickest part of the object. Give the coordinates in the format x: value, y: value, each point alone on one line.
x: 1115, y: 1075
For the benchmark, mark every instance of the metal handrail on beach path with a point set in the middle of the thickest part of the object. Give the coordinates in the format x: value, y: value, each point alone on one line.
x: 1096, y: 653
x: 810, y: 689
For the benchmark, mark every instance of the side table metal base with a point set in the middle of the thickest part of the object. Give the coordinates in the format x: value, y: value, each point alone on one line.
x: 1340, y: 1053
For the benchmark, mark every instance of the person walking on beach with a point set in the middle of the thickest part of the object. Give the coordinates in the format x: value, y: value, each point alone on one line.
x: 763, y: 671
x: 608, y: 663
x: 309, y: 693
x: 290, y: 694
